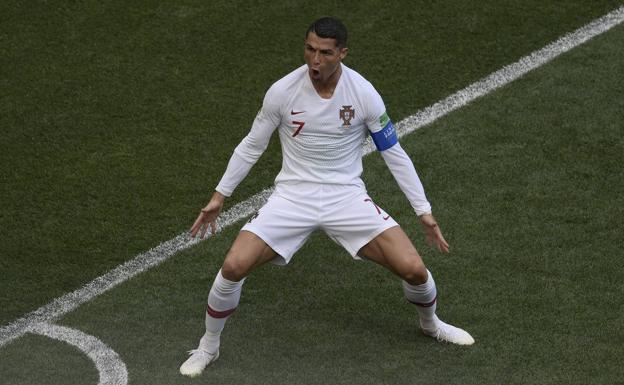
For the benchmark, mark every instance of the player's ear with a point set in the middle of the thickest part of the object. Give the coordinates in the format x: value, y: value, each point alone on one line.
x: 343, y: 53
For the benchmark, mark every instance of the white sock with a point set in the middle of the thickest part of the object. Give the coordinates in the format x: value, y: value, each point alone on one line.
x: 222, y: 301
x: 424, y: 297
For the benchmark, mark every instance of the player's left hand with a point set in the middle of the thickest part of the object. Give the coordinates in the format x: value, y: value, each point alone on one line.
x: 433, y: 233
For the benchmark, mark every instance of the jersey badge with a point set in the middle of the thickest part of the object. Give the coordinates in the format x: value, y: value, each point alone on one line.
x: 346, y: 114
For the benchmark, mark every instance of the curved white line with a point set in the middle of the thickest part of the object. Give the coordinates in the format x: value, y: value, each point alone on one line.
x: 110, y: 367
x: 162, y: 252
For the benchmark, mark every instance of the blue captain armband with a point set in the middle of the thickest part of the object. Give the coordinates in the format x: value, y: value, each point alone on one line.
x: 386, y: 137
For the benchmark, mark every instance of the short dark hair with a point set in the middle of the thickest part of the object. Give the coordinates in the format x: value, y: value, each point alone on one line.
x: 330, y: 28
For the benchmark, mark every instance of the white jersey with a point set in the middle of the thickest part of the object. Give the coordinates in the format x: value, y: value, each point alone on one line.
x: 321, y: 139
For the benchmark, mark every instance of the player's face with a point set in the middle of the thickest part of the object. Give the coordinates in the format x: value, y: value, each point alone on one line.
x: 322, y: 56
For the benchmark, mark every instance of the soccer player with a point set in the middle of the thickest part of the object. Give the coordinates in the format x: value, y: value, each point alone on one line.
x: 322, y: 111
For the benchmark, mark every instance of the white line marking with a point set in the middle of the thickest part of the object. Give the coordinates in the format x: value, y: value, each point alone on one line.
x: 121, y: 273
x: 508, y: 74
x: 111, y: 369
x: 162, y: 252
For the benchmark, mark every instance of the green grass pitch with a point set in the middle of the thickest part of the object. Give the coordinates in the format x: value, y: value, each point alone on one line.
x: 118, y: 119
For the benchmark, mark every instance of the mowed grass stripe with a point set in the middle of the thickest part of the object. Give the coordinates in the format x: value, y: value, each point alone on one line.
x: 145, y: 110
x: 162, y: 252
x: 523, y: 184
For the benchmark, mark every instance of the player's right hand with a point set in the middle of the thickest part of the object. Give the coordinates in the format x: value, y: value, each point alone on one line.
x: 208, y: 216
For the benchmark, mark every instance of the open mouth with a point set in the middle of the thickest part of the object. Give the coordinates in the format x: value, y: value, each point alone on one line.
x: 315, y: 73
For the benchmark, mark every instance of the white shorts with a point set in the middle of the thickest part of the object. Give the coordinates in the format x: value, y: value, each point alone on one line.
x: 345, y: 213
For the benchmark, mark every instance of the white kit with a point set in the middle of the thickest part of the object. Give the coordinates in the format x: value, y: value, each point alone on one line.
x: 319, y: 185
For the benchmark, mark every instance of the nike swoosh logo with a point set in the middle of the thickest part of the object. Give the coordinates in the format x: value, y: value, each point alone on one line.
x: 296, y: 112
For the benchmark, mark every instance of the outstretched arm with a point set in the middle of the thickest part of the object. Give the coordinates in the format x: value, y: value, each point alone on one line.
x: 386, y: 140
x: 244, y: 157
x: 404, y: 173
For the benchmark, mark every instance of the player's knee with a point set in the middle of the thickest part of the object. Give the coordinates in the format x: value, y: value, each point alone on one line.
x: 415, y: 273
x: 233, y: 269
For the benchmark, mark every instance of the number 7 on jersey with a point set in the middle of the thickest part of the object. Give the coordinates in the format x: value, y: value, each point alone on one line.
x: 300, y: 126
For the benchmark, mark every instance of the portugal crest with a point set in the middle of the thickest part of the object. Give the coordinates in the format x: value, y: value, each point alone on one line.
x: 346, y: 114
